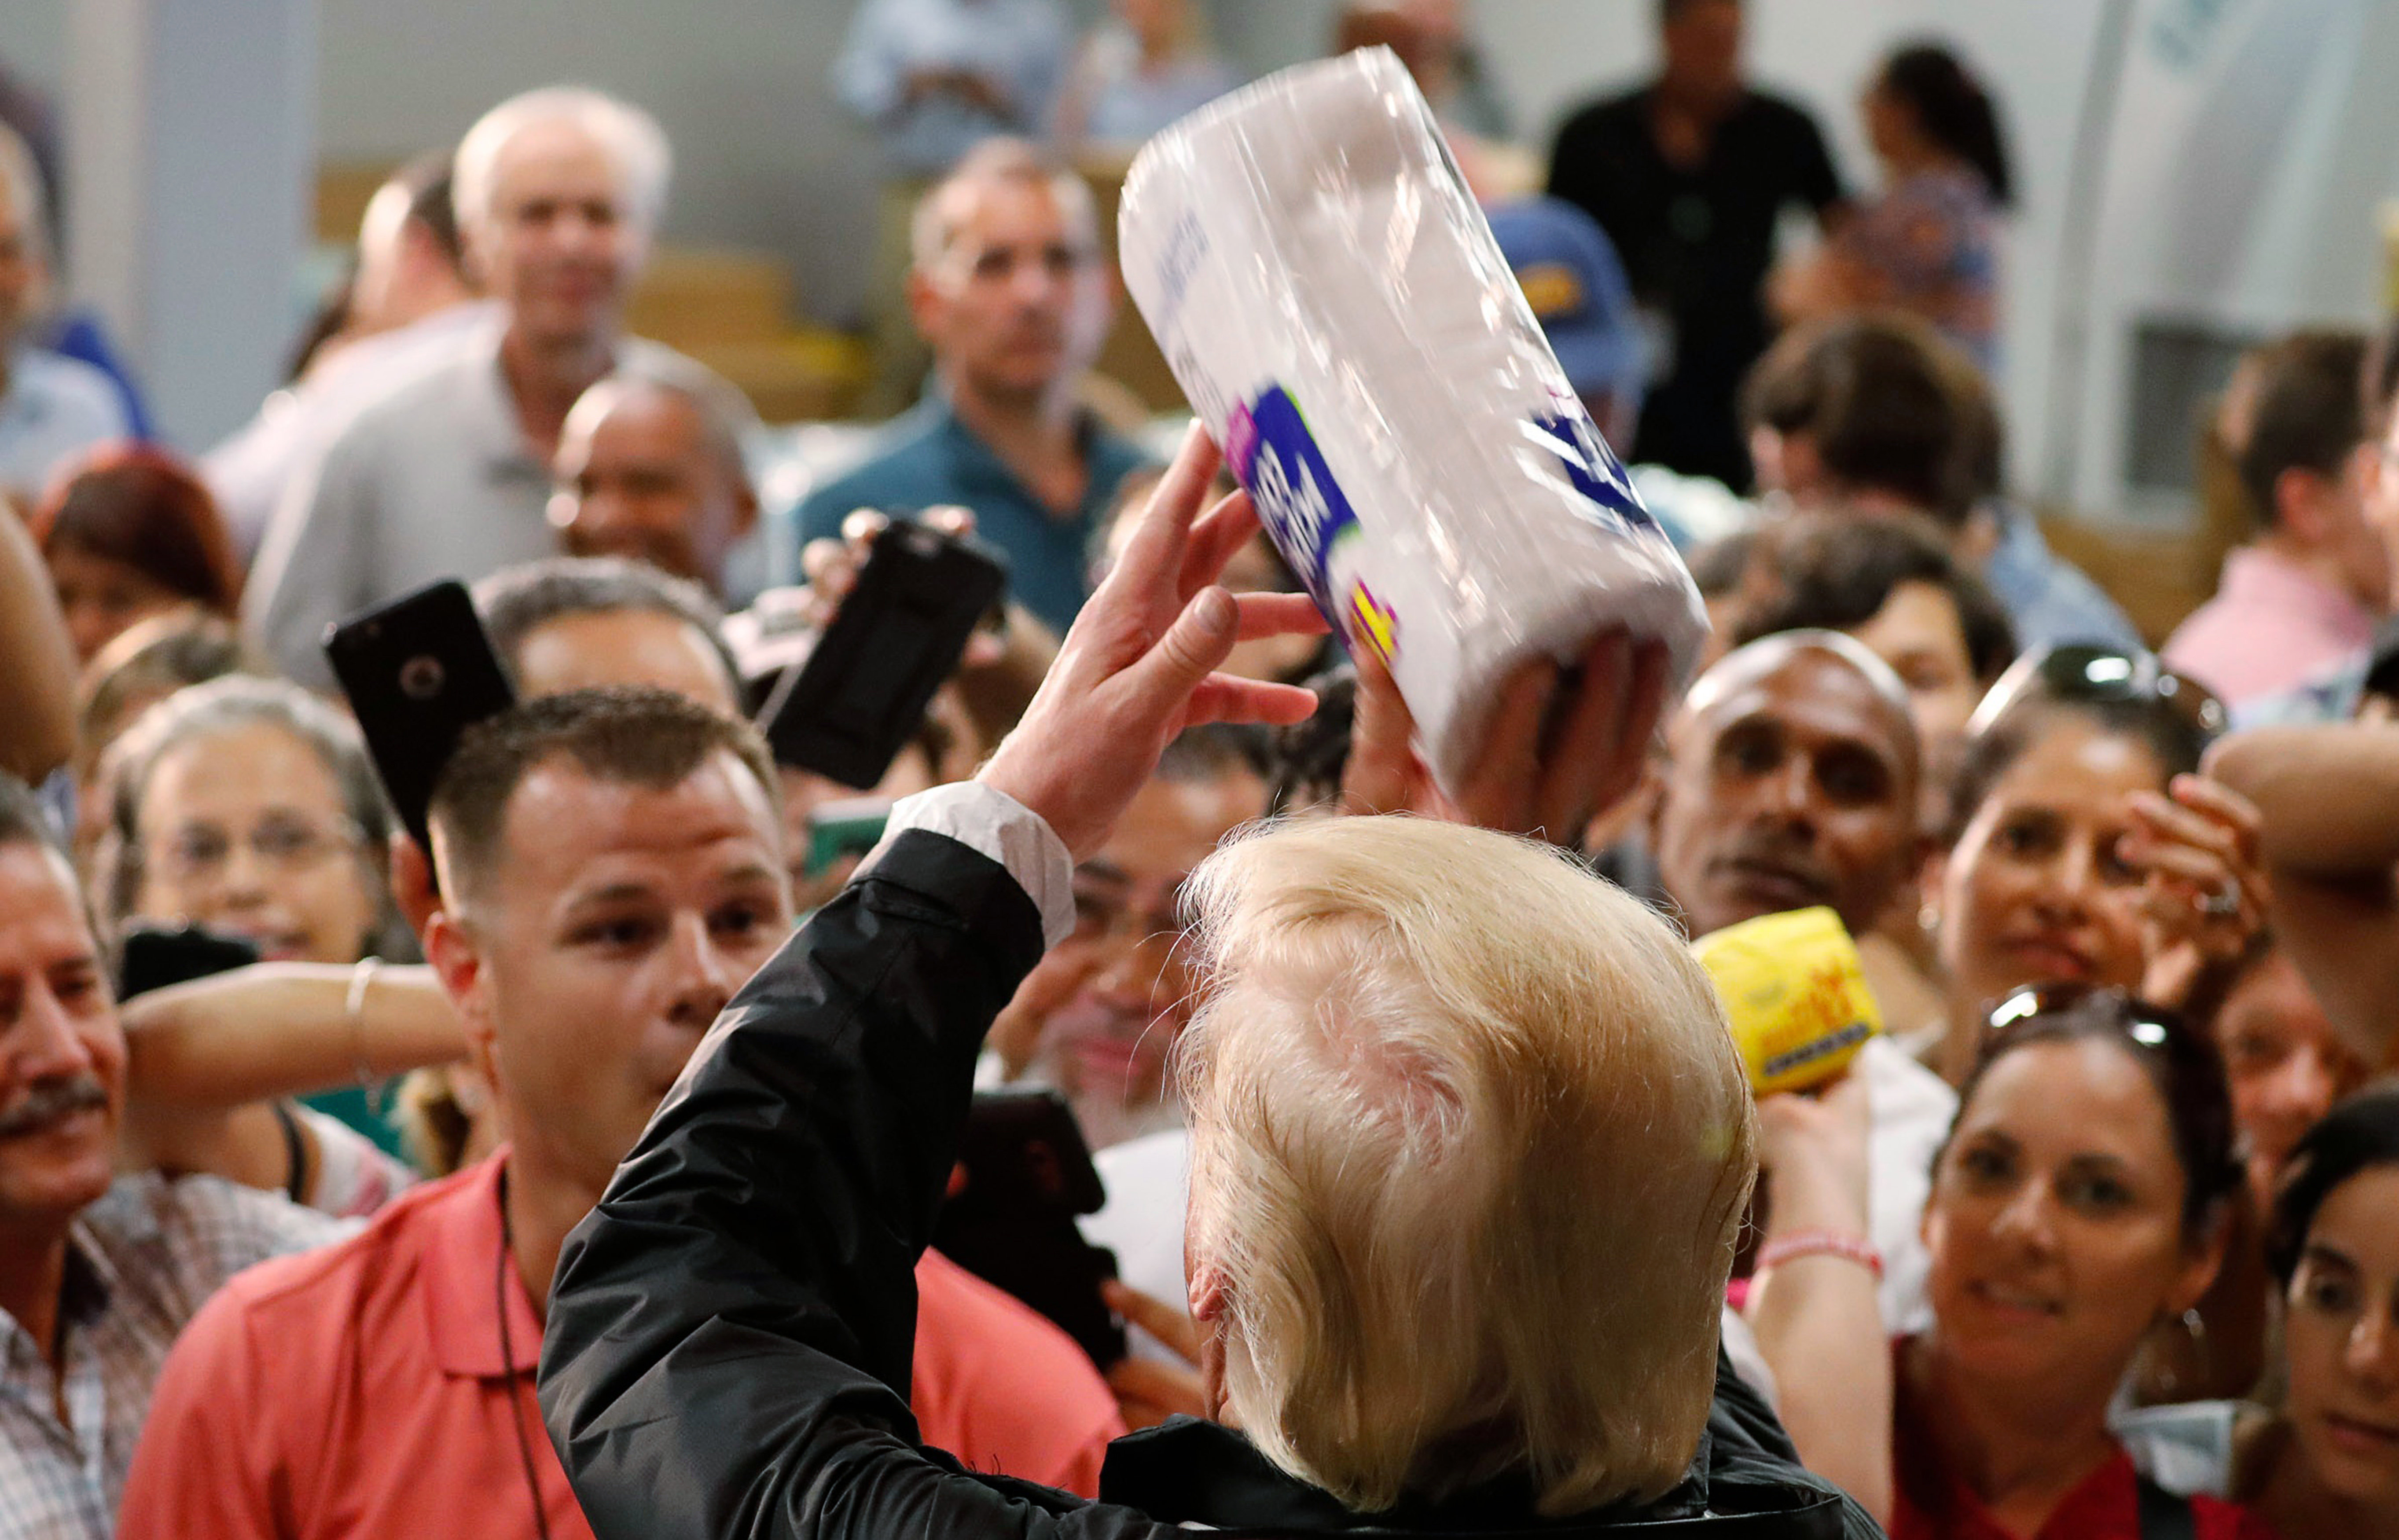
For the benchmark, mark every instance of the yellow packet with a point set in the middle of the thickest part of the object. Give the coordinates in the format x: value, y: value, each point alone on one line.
x: 1797, y: 994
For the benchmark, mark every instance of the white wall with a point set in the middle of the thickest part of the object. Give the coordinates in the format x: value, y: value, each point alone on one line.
x: 766, y: 158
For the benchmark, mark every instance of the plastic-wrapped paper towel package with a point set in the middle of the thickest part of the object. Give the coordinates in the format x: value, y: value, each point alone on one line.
x: 1330, y: 297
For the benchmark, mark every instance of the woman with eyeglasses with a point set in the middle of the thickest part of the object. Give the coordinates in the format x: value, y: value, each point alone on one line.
x: 249, y: 807
x: 2078, y: 1201
x: 2084, y: 849
x: 2327, y: 1461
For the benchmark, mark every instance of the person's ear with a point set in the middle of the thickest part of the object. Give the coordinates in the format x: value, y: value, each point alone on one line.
x: 925, y: 306
x: 413, y: 890
x: 1977, y: 540
x: 2202, y: 1259
x: 2299, y: 496
x: 457, y: 962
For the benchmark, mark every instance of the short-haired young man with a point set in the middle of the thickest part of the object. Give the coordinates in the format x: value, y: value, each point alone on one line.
x: 612, y: 869
x: 2304, y: 597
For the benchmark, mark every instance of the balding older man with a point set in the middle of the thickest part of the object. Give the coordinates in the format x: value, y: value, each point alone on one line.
x: 651, y: 470
x: 557, y: 193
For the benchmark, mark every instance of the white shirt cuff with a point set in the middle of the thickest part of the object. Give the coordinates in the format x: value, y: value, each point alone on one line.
x: 998, y: 826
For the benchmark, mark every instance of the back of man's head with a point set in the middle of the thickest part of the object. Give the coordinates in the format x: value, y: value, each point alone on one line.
x: 629, y: 735
x: 2307, y: 413
x: 1886, y: 407
x: 1469, y: 1174
x: 517, y: 602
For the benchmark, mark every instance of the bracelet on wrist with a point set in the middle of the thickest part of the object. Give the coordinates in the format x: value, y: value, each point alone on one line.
x: 1821, y: 1242
x: 354, y: 1014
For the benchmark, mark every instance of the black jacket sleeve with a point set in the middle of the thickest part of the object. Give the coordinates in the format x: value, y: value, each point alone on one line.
x: 729, y: 1334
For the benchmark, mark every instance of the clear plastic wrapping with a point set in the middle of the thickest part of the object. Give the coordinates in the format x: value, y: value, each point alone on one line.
x: 1331, y: 299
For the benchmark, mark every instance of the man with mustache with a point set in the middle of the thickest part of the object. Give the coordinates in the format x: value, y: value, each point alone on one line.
x: 98, y: 1272
x: 447, y: 473
x: 1013, y: 294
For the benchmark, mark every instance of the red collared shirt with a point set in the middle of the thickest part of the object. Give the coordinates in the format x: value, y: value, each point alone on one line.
x: 361, y: 1390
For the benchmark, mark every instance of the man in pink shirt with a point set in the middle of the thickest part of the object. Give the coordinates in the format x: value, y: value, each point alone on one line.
x: 613, y: 869
x: 2305, y: 596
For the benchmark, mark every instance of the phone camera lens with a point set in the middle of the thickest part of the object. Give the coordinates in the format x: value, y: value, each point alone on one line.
x: 420, y: 677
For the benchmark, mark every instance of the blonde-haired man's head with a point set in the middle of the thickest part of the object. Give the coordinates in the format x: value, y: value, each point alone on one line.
x: 1470, y: 1146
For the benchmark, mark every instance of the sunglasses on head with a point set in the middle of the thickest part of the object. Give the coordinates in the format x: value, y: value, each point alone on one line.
x: 2151, y: 1026
x: 2078, y: 672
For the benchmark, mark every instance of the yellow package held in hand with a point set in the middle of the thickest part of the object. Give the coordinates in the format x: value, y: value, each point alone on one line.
x: 1797, y: 994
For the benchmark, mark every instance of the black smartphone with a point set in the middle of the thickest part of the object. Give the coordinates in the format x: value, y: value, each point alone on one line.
x: 846, y: 711
x: 1028, y: 1174
x: 154, y: 956
x: 419, y: 671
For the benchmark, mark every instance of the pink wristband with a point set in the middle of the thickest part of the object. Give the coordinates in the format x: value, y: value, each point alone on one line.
x: 1822, y: 1243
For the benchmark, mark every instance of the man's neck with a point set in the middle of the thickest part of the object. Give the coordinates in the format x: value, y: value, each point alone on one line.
x: 541, y: 1208
x: 545, y: 375
x: 2321, y: 565
x: 1033, y: 435
x: 2007, y: 1443
x: 33, y: 1272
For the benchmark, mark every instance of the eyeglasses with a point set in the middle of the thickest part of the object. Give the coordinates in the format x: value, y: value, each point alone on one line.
x: 198, y: 853
x: 2075, y: 672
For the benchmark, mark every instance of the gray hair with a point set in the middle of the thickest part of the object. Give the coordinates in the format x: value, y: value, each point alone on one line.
x: 632, y: 137
x: 935, y: 223
x: 515, y: 602
x: 212, y: 709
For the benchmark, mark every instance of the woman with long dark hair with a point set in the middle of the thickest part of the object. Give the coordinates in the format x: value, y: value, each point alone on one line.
x: 1927, y: 243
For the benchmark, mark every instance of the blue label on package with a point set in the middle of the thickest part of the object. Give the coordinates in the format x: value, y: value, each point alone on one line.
x: 1299, y: 504
x: 1596, y: 473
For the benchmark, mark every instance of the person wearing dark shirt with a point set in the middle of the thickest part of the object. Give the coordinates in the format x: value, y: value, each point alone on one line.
x: 1689, y: 175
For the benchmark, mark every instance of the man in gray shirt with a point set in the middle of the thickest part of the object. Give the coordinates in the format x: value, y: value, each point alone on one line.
x: 446, y: 475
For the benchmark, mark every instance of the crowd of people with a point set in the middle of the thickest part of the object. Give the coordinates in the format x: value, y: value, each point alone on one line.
x: 577, y: 1168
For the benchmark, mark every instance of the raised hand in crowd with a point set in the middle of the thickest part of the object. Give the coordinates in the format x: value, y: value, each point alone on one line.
x: 1140, y: 664
x: 1564, y: 746
x: 2329, y: 842
x: 2204, y: 895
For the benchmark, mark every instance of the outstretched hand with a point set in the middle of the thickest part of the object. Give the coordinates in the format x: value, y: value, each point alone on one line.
x: 1547, y: 766
x: 1140, y: 664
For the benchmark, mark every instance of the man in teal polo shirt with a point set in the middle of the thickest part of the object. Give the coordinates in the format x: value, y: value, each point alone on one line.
x: 1011, y: 293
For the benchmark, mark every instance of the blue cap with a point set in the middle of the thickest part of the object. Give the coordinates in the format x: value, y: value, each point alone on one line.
x: 1576, y: 285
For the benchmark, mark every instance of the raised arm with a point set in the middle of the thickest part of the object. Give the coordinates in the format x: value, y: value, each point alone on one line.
x: 728, y: 1336
x: 2329, y: 801
x: 37, y: 687
x: 208, y: 1063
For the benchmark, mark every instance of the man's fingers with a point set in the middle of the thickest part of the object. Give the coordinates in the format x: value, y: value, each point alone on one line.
x: 1582, y: 755
x: 1223, y: 697
x: 1170, y: 1324
x: 862, y: 525
x: 1264, y: 614
x: 1200, y: 640
x: 1155, y: 552
x: 1218, y: 535
x: 1497, y: 788
x: 1382, y: 756
x: 949, y: 519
